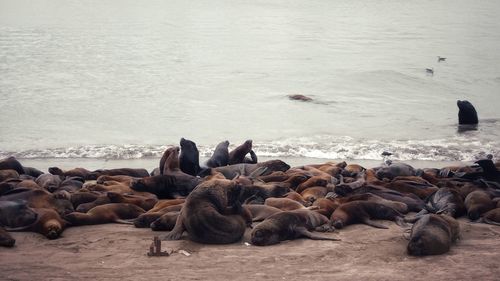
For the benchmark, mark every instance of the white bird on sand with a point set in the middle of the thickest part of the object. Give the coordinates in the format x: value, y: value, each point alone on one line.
x: 440, y: 59
x: 429, y: 71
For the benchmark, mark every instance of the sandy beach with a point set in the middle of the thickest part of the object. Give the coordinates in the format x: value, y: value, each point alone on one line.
x: 118, y: 252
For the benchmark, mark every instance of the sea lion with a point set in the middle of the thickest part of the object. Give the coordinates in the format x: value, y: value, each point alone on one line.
x: 143, y: 202
x: 477, y: 203
x: 108, y: 213
x: 467, y: 114
x: 362, y: 212
x: 49, y: 223
x: 76, y: 172
x: 393, y: 170
x: 167, y: 186
x: 238, y: 154
x: 300, y: 98
x: 41, y: 199
x: 6, y: 240
x: 491, y: 217
x: 49, y: 182
x: 326, y: 206
x: 313, y: 181
x: 261, y: 212
x: 314, y: 193
x: 220, y: 157
x: 33, y: 172
x: 284, y: 204
x: 137, y: 173
x: 189, y: 159
x: 146, y: 219
x: 490, y: 171
x: 433, y: 235
x: 289, y: 225
x: 445, y: 201
x: 8, y: 174
x: 420, y: 189
x: 252, y: 170
x: 78, y: 198
x: 212, y: 214
x: 126, y: 180
x: 166, y: 222
x: 101, y: 200
x: 173, y: 161
x: 16, y: 214
x: 11, y: 163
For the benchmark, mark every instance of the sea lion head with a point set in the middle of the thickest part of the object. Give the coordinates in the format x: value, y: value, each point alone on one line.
x: 52, y: 229
x: 262, y: 236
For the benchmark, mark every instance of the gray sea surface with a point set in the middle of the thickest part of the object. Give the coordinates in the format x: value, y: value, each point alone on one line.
x: 122, y: 79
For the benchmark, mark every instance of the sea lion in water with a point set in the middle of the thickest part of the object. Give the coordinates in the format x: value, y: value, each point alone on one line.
x: 189, y: 159
x: 212, y: 214
x: 477, y: 203
x: 108, y: 213
x: 467, y: 114
x: 362, y: 212
x: 220, y: 157
x: 432, y: 235
x: 289, y: 225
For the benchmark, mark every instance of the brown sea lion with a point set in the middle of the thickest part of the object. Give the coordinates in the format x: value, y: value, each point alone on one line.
x: 238, y: 154
x: 49, y: 223
x: 49, y: 182
x: 362, y: 212
x: 212, y: 214
x: 8, y: 174
x: 141, y: 201
x: 41, y: 199
x: 289, y: 225
x: 6, y: 240
x: 398, y: 206
x: 172, y: 163
x: 167, y: 186
x: 102, y: 199
x: 261, y: 212
x: 313, y: 181
x: 108, y: 213
x: 433, y: 235
x: 220, y: 157
x: 145, y: 220
x: 422, y: 190
x: 477, y: 203
x: 82, y: 197
x: 297, y: 197
x: 126, y: 180
x: 313, y: 193
x: 326, y: 206
x: 166, y: 222
x: 284, y: 204
x: 491, y: 217
x: 136, y: 173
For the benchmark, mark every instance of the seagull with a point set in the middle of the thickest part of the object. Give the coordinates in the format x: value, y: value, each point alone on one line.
x: 429, y: 71
x: 440, y: 59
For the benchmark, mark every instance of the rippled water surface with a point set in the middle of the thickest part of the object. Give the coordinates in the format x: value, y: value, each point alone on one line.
x: 123, y: 78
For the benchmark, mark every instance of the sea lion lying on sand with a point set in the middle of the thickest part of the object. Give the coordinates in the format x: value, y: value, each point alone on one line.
x: 433, y: 235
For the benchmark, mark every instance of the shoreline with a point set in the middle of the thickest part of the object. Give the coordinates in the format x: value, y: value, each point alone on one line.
x: 150, y: 163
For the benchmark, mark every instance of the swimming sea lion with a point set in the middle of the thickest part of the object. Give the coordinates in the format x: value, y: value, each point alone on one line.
x: 467, y: 114
x: 212, y: 214
x: 289, y: 225
x: 108, y: 213
x: 433, y: 235
x: 220, y: 157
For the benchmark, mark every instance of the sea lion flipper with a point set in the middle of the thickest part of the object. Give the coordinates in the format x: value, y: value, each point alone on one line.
x: 302, y: 231
x: 374, y: 224
x: 488, y: 221
x: 177, y: 231
x: 124, y: 221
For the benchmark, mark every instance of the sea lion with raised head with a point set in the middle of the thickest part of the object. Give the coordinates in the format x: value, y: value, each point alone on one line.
x: 238, y: 154
x: 212, y: 214
x: 189, y: 159
x: 467, y: 114
x: 220, y: 157
x: 433, y: 235
x: 289, y: 225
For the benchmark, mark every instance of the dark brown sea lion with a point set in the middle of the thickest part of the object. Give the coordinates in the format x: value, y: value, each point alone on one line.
x: 11, y: 163
x: 16, y: 214
x: 220, y: 157
x: 145, y: 220
x: 477, y: 203
x: 433, y: 235
x: 166, y: 222
x: 289, y: 225
x: 362, y: 212
x: 314, y: 181
x: 6, y: 240
x: 261, y: 212
x: 422, y: 190
x: 238, y: 154
x: 467, y: 114
x: 76, y: 172
x: 102, y: 199
x: 167, y: 186
x: 41, y: 199
x: 326, y: 206
x: 137, y: 173
x: 212, y: 214
x: 33, y: 172
x: 126, y: 180
x: 108, y: 213
x: 254, y: 170
x: 189, y: 159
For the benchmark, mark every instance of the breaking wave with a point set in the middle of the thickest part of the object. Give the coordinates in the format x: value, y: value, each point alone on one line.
x: 457, y: 148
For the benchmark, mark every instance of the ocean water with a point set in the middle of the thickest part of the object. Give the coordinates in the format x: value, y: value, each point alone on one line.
x: 122, y: 79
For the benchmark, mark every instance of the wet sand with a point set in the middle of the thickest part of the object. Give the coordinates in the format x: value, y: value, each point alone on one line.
x: 118, y: 252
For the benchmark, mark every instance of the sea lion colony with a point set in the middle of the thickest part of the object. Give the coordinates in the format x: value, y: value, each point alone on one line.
x: 215, y: 202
